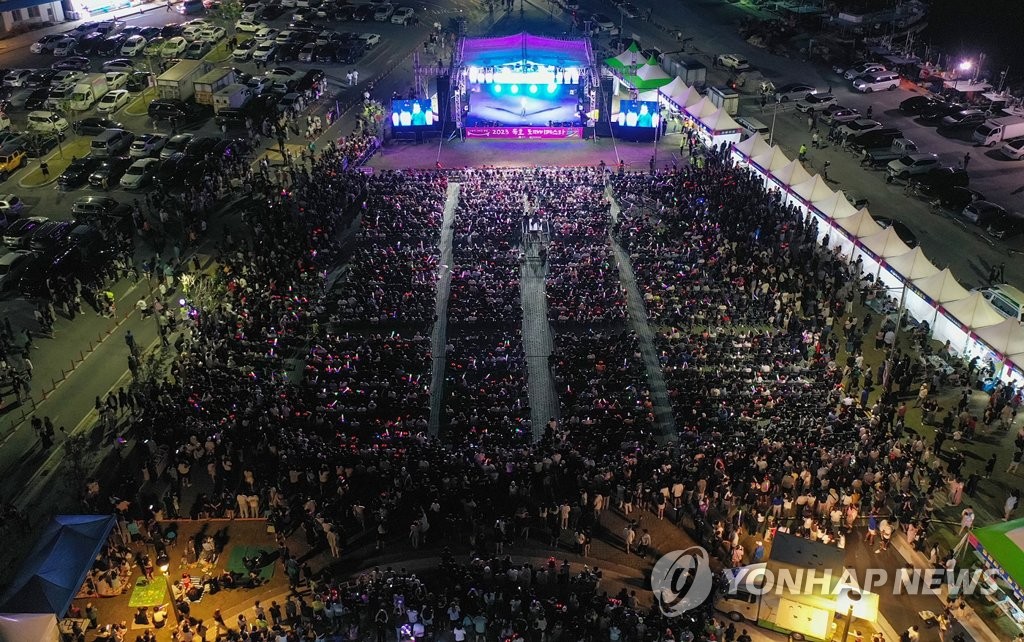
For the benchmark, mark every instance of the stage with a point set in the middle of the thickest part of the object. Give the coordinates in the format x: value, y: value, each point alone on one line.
x: 522, y: 80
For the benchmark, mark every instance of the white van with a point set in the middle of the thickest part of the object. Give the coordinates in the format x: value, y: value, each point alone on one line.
x: 752, y: 125
x: 877, y: 82
x: 1006, y: 299
x: 47, y: 122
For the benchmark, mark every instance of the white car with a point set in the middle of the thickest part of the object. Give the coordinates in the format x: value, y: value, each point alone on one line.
x: 859, y: 126
x: 733, y: 61
x: 403, y: 16
x: 251, y: 12
x: 815, y: 102
x: 370, y: 40
x: 194, y: 28
x: 116, y: 79
x: 283, y: 74
x: 174, y: 47
x: 67, y: 77
x: 259, y: 84
x: 244, y: 50
x: 147, y: 145
x: 64, y: 46
x: 289, y: 4
x: 140, y: 172
x: 265, y: 51
x: 113, y: 100
x: 11, y: 205
x: 119, y: 64
x: 16, y: 77
x: 1013, y: 148
x: 266, y: 33
x: 212, y: 34
x: 603, y: 22
x: 863, y: 69
x: 133, y: 46
x: 249, y: 26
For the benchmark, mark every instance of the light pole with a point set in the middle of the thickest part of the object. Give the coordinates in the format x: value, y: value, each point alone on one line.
x: 775, y: 112
x: 852, y: 597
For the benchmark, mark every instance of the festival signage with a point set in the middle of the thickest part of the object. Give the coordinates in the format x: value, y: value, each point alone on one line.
x: 525, y: 133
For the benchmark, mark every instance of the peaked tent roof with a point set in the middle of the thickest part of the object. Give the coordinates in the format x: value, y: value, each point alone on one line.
x: 1004, y: 542
x: 860, y: 224
x: 676, y: 86
x: 835, y: 205
x: 815, y: 189
x: 973, y: 312
x: 1005, y: 337
x: 700, y: 109
x: 52, y: 574
x: 651, y: 95
x: 720, y: 121
x: 685, y: 97
x: 753, y: 146
x: 912, y: 265
x: 653, y: 71
x: 631, y: 57
x: 885, y: 244
x: 792, y: 174
x: 771, y: 160
x: 942, y: 287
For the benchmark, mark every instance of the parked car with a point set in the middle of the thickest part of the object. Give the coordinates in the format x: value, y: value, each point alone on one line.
x: 918, y: 104
x: 403, y: 16
x: 1013, y: 148
x: 12, y: 266
x: 793, y: 91
x: 77, y: 63
x: 911, y: 165
x: 46, y: 44
x: 16, y: 234
x: 733, y: 61
x: 859, y: 126
x: 938, y: 181
x: 10, y: 162
x: 244, y: 50
x: 197, y: 50
x: 133, y: 46
x: 94, y: 125
x: 815, y: 102
x: 119, y: 65
x: 113, y: 100
x: 881, y: 81
x: 174, y: 47
x: 109, y: 172
x: 111, y: 46
x: 955, y: 198
x: 140, y: 173
x: 175, y: 144
x: 77, y: 173
x: 154, y: 47
x: 902, y: 231
x: 41, y: 78
x: 839, y: 114
x: 983, y: 212
x: 265, y: 51
x: 863, y: 69
x: 370, y: 40
x: 10, y: 206
x: 249, y: 26
x: 963, y: 119
x: 1009, y: 225
x: 146, y: 145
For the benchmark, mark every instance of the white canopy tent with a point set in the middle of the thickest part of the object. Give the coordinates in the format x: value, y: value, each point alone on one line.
x: 753, y: 146
x: 770, y: 161
x: 702, y: 108
x: 792, y: 174
x: 912, y: 265
x: 815, y: 189
x: 960, y: 318
x: 932, y: 292
x: 722, y: 128
x: 1005, y: 337
x: 835, y: 205
x: 651, y: 71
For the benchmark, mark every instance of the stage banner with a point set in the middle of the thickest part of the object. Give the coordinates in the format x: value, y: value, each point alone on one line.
x: 525, y: 133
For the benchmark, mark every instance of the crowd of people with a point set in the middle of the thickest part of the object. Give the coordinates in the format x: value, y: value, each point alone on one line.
x: 341, y: 268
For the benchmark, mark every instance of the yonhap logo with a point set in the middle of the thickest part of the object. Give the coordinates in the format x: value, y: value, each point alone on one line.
x: 682, y: 580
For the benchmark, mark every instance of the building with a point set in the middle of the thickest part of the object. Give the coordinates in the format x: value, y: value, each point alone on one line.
x: 17, y: 15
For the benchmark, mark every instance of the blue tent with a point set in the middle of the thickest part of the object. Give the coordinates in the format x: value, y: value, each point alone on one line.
x: 57, y: 566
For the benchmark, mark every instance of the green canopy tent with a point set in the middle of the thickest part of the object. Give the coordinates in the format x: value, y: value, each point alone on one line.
x: 649, y: 76
x: 1001, y: 545
x: 628, y: 59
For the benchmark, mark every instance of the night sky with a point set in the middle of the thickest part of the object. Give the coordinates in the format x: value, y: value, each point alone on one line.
x: 992, y: 27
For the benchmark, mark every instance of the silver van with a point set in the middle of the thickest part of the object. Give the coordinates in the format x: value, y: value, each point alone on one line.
x: 877, y: 82
x: 1006, y: 299
x: 112, y: 142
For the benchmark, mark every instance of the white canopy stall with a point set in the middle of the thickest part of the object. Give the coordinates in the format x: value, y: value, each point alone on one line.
x: 790, y: 175
x: 876, y: 250
x: 721, y: 127
x: 959, y: 319
x: 1005, y: 338
x: 806, y: 193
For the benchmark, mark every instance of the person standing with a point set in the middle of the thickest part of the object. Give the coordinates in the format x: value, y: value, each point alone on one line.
x: 966, y: 520
x: 967, y: 160
x: 628, y: 537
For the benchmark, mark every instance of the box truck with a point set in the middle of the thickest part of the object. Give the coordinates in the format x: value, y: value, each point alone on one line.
x: 178, y: 82
x: 87, y: 91
x: 211, y: 82
x: 692, y: 71
x: 231, y: 97
x: 996, y: 130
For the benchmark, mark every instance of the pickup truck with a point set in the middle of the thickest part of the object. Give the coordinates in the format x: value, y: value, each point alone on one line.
x: 881, y: 157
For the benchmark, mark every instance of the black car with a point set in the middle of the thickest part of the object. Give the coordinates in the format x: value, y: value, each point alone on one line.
x: 364, y: 13
x: 231, y: 118
x: 1009, y: 225
x: 938, y: 180
x: 39, y: 145
x: 82, y: 252
x: 77, y: 173
x: 937, y: 111
x: 110, y: 171
x: 311, y: 79
x: 350, y: 52
x: 111, y: 46
x: 288, y: 51
x: 874, y: 139
x: 231, y: 148
x: 201, y: 146
x: 185, y: 113
x: 272, y: 12
x: 138, y: 81
x: 16, y: 234
x: 94, y: 125
x: 171, y: 29
x: 89, y: 44
x: 343, y: 13
x: 71, y: 63
x: 902, y: 231
x: 37, y: 98
x: 956, y: 198
x: 40, y: 78
x: 48, y: 236
x: 918, y: 104
x: 170, y: 168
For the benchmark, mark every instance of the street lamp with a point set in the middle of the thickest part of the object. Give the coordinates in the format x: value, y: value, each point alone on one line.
x: 850, y: 598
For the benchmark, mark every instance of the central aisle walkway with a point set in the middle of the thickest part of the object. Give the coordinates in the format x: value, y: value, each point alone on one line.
x: 644, y: 334
x: 444, y: 279
x: 537, y: 340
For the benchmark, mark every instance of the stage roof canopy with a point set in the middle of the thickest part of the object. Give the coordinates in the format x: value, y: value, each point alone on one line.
x: 502, y: 50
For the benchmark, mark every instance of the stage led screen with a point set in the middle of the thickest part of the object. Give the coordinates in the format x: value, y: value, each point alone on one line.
x: 412, y: 113
x: 637, y: 113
